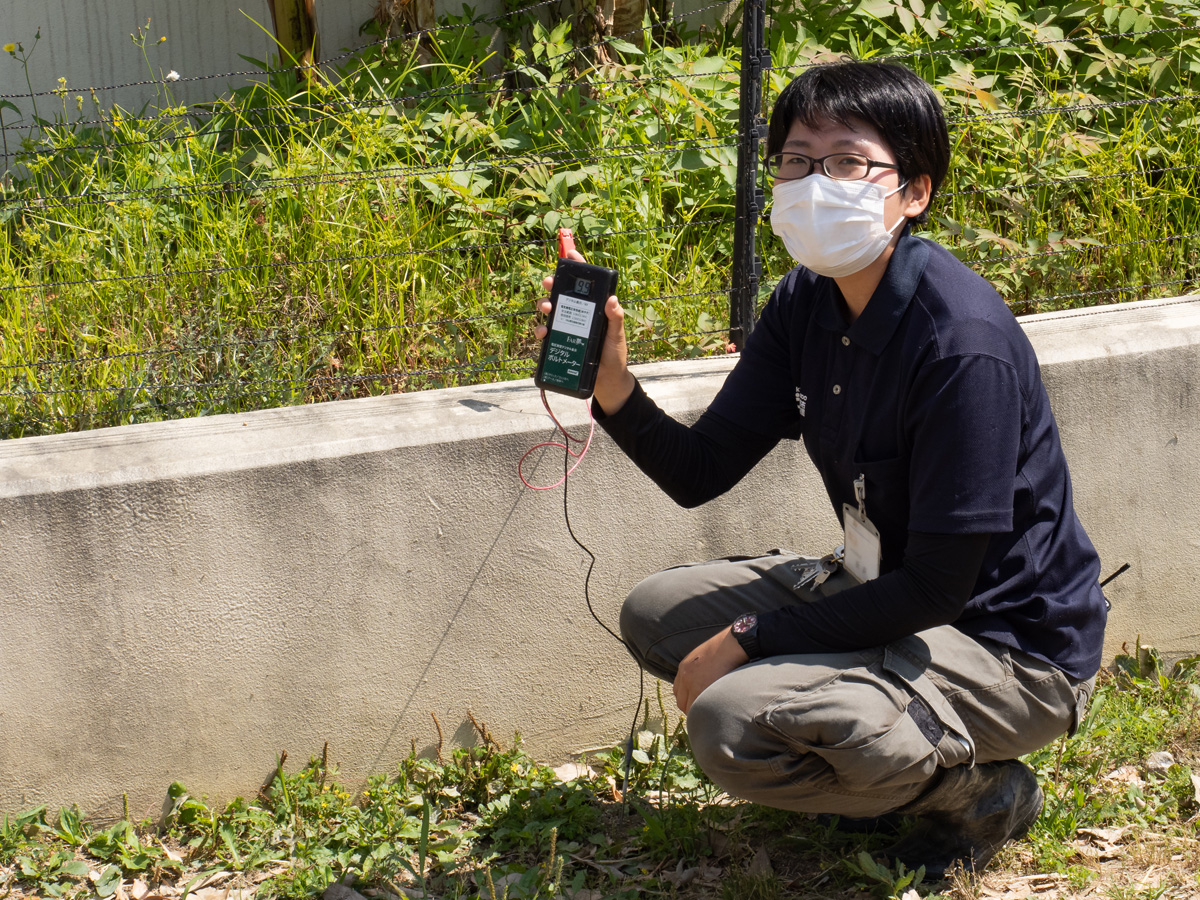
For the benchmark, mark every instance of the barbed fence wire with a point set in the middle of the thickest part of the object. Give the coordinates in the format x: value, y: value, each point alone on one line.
x: 240, y: 371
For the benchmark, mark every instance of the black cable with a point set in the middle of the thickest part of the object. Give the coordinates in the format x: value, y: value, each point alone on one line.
x: 1053, y: 182
x: 198, y: 349
x: 250, y: 185
x: 1074, y: 107
x: 1121, y: 571
x: 365, y: 257
x: 224, y: 106
x: 1117, y: 290
x: 267, y: 126
x: 375, y: 103
x: 516, y: 364
x: 1084, y: 248
x: 629, y: 743
x: 977, y: 48
x: 488, y: 20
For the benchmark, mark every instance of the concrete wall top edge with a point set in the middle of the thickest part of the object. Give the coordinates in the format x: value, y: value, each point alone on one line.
x: 224, y: 443
x: 1117, y: 329
x: 237, y: 442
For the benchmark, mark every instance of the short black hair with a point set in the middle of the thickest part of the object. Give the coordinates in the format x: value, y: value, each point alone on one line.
x: 902, y: 108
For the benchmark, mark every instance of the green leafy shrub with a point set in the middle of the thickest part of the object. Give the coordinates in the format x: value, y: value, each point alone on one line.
x: 386, y: 228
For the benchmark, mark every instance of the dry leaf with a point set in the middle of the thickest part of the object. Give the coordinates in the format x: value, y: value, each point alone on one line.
x: 681, y: 877
x: 1100, y: 843
x: 1124, y: 775
x: 1103, y: 835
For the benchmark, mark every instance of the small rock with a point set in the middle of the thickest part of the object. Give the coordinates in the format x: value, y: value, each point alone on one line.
x: 1159, y: 761
x: 719, y: 843
x: 338, y: 891
x: 761, y: 864
x: 571, y: 771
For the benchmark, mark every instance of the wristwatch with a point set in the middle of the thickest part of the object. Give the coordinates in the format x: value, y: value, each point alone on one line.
x: 745, y: 630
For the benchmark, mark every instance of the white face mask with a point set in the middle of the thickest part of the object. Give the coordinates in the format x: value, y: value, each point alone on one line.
x: 833, y: 227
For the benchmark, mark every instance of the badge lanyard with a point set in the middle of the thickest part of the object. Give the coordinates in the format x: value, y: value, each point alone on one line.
x: 863, y: 547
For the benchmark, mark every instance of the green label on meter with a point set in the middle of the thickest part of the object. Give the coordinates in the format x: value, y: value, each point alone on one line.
x: 567, y: 341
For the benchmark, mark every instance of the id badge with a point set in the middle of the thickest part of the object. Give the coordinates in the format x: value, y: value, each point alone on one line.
x: 863, y: 548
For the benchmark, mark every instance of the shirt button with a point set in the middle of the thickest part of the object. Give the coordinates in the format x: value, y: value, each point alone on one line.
x: 837, y: 388
x: 845, y: 341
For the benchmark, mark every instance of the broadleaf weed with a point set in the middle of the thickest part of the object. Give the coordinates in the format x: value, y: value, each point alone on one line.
x: 216, y: 286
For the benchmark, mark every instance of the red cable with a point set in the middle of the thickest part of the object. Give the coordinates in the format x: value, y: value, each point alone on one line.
x: 587, y: 442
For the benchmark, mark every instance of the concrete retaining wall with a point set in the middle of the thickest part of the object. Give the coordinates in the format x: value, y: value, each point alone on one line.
x: 185, y: 599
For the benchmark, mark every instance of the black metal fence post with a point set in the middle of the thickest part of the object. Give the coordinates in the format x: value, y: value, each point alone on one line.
x: 752, y: 127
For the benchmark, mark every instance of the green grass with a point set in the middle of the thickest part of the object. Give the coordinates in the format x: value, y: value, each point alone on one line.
x: 488, y: 817
x: 294, y: 242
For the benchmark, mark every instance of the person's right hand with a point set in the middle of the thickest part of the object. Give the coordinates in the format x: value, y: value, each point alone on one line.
x: 614, y: 381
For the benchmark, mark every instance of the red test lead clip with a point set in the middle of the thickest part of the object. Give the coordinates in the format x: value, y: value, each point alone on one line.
x: 566, y: 242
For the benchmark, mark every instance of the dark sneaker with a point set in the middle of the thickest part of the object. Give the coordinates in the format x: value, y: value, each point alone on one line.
x: 968, y: 817
x: 888, y: 823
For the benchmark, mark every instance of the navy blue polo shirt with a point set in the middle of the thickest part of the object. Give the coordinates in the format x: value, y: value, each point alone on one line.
x: 935, y: 396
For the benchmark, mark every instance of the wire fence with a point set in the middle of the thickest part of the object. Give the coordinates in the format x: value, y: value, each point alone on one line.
x: 385, y: 228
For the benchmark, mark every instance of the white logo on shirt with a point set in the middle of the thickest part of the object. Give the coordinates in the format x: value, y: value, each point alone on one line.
x: 801, y: 401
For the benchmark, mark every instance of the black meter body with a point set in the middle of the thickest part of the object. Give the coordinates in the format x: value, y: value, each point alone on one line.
x: 575, y: 328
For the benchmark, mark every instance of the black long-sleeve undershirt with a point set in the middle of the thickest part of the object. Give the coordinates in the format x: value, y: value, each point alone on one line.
x: 694, y: 464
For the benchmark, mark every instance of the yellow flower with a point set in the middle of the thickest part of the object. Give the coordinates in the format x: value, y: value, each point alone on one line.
x: 10, y: 48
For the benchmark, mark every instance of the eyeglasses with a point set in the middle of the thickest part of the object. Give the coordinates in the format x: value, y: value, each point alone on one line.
x: 839, y: 166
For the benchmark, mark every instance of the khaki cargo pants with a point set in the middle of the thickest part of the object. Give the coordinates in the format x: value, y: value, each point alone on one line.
x: 857, y: 733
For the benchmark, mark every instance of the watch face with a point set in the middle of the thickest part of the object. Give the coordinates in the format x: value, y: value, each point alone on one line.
x: 745, y: 623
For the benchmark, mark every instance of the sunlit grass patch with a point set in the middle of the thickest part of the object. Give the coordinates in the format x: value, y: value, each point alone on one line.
x: 1118, y: 812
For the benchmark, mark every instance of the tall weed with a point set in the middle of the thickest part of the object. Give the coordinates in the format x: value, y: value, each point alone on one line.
x: 385, y: 229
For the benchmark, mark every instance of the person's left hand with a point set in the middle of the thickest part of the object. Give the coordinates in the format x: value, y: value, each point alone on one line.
x: 716, y: 657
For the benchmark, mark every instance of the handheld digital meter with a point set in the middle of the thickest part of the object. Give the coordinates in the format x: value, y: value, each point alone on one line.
x: 575, y: 329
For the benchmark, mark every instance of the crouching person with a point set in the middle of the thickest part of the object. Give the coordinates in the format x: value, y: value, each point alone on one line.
x: 962, y: 625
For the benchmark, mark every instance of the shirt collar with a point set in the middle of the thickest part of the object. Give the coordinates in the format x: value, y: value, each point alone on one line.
x: 874, y: 328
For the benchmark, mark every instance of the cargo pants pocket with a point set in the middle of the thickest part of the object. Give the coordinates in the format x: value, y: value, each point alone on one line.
x: 873, y: 728
x: 941, y: 724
